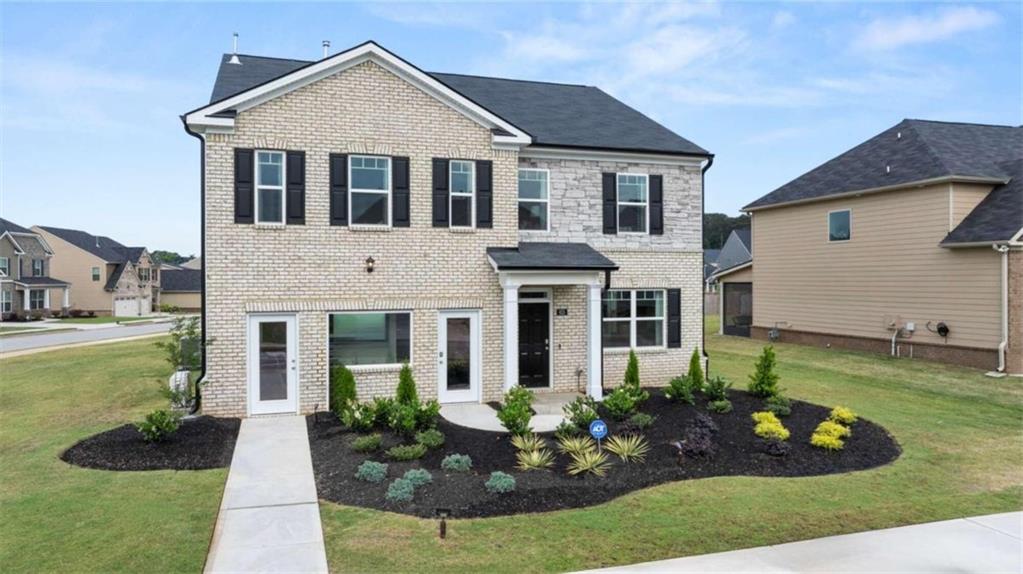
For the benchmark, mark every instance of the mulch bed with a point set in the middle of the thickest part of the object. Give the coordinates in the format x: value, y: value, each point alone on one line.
x: 738, y: 452
x: 200, y: 443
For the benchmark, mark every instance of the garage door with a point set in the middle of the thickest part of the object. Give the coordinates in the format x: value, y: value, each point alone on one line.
x: 145, y: 306
x: 126, y: 306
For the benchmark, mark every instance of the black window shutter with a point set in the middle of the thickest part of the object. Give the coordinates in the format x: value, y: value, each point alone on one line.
x: 485, y: 194
x: 338, y: 189
x: 656, y: 205
x: 610, y: 183
x: 440, y: 192
x: 295, y: 172
x: 400, y: 192
x: 674, y: 318
x: 244, y: 173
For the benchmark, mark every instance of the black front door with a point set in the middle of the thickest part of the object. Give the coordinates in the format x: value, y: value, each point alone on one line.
x: 534, y: 344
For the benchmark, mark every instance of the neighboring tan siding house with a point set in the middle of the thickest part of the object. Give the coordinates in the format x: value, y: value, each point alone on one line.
x: 26, y: 287
x: 181, y: 288
x: 394, y: 197
x: 888, y: 245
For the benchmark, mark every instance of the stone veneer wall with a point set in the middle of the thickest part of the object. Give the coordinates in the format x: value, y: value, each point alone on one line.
x: 1014, y: 351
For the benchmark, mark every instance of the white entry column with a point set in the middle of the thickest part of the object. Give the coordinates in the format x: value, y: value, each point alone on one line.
x: 594, y: 352
x: 67, y: 298
x: 26, y: 299
x: 46, y: 298
x: 511, y: 336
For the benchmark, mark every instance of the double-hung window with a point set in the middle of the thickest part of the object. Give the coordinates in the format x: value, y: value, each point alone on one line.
x: 6, y: 301
x: 633, y: 203
x: 534, y: 199
x: 370, y: 338
x: 143, y: 274
x: 95, y: 274
x: 840, y: 225
x: 633, y: 318
x: 462, y: 202
x: 37, y: 268
x: 37, y: 299
x: 370, y: 191
x: 5, y: 266
x: 270, y: 187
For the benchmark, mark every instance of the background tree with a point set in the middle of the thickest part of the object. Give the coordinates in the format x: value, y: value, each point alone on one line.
x: 718, y: 226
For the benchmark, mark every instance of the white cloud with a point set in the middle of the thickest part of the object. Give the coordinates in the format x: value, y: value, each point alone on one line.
x: 673, y: 48
x: 544, y: 48
x: 890, y: 33
x: 782, y: 19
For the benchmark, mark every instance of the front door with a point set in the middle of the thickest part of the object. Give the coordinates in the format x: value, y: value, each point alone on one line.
x: 273, y: 364
x: 458, y: 351
x: 534, y: 344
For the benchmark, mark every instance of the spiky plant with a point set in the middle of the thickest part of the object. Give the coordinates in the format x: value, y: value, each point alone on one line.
x: 628, y: 447
x: 591, y: 461
x: 535, y: 459
x: 576, y: 444
x: 526, y: 442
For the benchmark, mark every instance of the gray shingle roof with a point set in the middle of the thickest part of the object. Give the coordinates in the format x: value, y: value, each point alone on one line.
x: 915, y: 150
x: 550, y: 256
x: 38, y: 281
x: 737, y: 250
x: 560, y: 115
x: 180, y: 280
x: 6, y: 225
x: 115, y: 277
x: 99, y: 245
x: 998, y: 217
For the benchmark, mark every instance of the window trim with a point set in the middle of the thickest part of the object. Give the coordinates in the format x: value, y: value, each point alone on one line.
x: 5, y: 270
x: 619, y: 203
x: 389, y: 192
x: 827, y: 227
x: 546, y: 202
x: 6, y: 301
x: 31, y: 300
x: 386, y: 366
x: 97, y: 274
x: 282, y: 188
x: 632, y: 319
x: 471, y: 195
x: 42, y: 267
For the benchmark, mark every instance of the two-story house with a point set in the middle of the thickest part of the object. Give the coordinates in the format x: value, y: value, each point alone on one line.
x: 108, y: 277
x: 488, y: 232
x: 25, y: 284
x: 908, y: 244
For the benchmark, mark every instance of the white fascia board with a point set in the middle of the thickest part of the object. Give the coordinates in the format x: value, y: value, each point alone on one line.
x: 17, y: 248
x: 46, y: 246
x: 533, y: 277
x: 731, y: 270
x: 540, y: 152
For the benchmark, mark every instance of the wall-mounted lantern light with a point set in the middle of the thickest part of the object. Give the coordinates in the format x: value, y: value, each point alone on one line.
x: 370, y: 262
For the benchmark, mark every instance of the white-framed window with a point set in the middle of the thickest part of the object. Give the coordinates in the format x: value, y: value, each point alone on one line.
x: 840, y: 225
x: 369, y: 193
x: 6, y: 301
x: 462, y: 197
x: 633, y: 203
x: 534, y: 199
x: 633, y: 318
x: 143, y: 274
x: 95, y: 274
x: 370, y: 338
x: 36, y: 299
x: 5, y: 266
x: 270, y: 197
x: 37, y: 268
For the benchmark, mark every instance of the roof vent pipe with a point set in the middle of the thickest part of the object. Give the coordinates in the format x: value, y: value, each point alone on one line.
x: 326, y: 48
x: 234, y: 52
x: 887, y: 169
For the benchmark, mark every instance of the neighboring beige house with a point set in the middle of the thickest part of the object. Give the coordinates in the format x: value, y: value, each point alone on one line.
x: 181, y: 288
x: 107, y: 277
x: 908, y: 244
x: 26, y: 287
x: 193, y: 263
x: 488, y: 232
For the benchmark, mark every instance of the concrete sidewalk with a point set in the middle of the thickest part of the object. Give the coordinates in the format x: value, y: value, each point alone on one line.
x: 269, y: 518
x: 991, y: 543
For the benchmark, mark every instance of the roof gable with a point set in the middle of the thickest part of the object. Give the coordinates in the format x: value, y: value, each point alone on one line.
x: 997, y: 218
x: 737, y: 249
x: 101, y: 246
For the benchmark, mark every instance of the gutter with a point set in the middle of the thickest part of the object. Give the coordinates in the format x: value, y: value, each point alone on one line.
x: 1004, y: 250
x: 703, y: 300
x: 202, y: 269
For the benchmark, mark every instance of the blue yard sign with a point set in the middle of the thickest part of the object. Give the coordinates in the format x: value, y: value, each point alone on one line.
x: 598, y: 429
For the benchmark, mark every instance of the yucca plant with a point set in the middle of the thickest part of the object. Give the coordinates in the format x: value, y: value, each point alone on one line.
x: 535, y: 459
x: 576, y: 444
x: 527, y: 442
x: 591, y: 461
x: 628, y: 447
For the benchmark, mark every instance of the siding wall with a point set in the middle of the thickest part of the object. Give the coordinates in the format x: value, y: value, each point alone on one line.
x: 74, y: 265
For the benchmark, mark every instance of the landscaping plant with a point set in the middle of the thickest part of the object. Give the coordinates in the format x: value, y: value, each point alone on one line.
x: 620, y: 403
x: 843, y: 416
x: 342, y: 389
x: 158, y: 425
x: 637, y: 423
x: 763, y: 382
x: 527, y: 442
x: 515, y: 412
x: 539, y: 459
x: 184, y: 349
x: 406, y: 451
x: 402, y: 420
x: 368, y: 443
x: 829, y: 434
x: 576, y: 444
x: 826, y: 441
x: 566, y: 429
x: 774, y: 447
x: 716, y: 388
x: 382, y: 407
x: 500, y: 483
x: 628, y: 447
x: 359, y: 417
x: 631, y: 382
x: 768, y: 426
x: 702, y: 420
x: 430, y: 438
x: 697, y: 438
x: 590, y: 461
x: 406, y: 393
x: 721, y: 407
x: 401, y: 490
x: 832, y: 428
x: 418, y: 477
x: 456, y: 463
x: 779, y: 405
x: 371, y: 471
x: 684, y: 389
x: 582, y: 411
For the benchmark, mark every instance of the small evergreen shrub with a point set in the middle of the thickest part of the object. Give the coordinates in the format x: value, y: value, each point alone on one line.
x: 402, y: 420
x: 773, y: 447
x: 765, y: 417
x: 367, y: 443
x: 833, y: 429
x: 539, y: 459
x: 359, y: 417
x: 382, y: 407
x: 620, y: 404
x: 567, y: 429
x: 406, y: 451
x: 721, y: 407
x: 342, y: 389
x: 456, y: 463
x: 371, y: 471
x: 430, y: 438
x: 158, y: 425
x: 679, y: 390
x: 406, y: 393
x: 696, y: 442
x: 695, y: 372
x: 401, y: 490
x: 638, y: 423
x: 716, y: 389
x: 515, y: 413
x: 418, y: 477
x: 581, y: 412
x: 843, y: 416
x: 702, y: 420
x: 426, y: 415
x: 763, y: 382
x: 768, y: 426
x: 826, y: 441
x: 778, y: 405
x: 500, y: 483
x: 631, y: 382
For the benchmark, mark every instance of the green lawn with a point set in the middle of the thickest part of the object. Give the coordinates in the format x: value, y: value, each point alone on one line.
x: 960, y: 432
x: 101, y: 320
x: 16, y: 329
x: 55, y: 517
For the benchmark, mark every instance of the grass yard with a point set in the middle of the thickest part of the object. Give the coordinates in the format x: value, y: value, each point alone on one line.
x: 55, y: 517
x: 960, y: 432
x: 6, y: 330
x: 101, y: 320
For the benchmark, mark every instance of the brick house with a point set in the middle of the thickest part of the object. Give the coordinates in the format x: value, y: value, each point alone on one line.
x: 488, y: 232
x: 26, y: 287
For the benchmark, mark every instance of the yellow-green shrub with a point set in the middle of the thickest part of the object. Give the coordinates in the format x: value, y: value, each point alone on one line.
x: 765, y: 417
x: 832, y: 428
x: 826, y: 441
x: 771, y: 430
x: 843, y: 416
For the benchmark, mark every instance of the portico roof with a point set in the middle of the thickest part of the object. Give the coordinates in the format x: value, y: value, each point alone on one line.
x: 35, y: 281
x: 540, y: 256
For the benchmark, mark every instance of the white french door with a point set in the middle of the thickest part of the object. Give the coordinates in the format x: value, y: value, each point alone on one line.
x: 458, y: 356
x: 273, y: 364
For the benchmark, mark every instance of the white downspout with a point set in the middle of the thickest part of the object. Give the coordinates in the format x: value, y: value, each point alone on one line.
x: 895, y: 336
x: 1004, y: 250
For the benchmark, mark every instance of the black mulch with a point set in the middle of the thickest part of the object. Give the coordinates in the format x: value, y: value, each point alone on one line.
x: 200, y: 443
x: 738, y: 452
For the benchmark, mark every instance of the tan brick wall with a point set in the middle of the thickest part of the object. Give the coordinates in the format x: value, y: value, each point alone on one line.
x: 1014, y: 351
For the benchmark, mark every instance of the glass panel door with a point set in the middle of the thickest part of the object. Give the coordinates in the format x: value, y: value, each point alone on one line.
x: 458, y: 351
x: 273, y: 364
x: 273, y: 361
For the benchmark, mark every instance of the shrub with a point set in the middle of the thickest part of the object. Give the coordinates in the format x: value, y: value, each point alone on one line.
x: 515, y: 412
x: 765, y: 417
x: 406, y: 394
x: 358, y: 417
x: 401, y: 490
x: 158, y: 425
x: 534, y: 459
x: 430, y: 438
x: 826, y: 441
x: 620, y: 404
x: 76, y: 313
x: 832, y: 428
x: 402, y: 419
x: 576, y: 444
x: 631, y: 382
x: 679, y: 390
x: 456, y: 463
x: 721, y: 407
x: 342, y: 389
x: 528, y: 442
x: 778, y: 405
x: 843, y: 416
x: 764, y: 381
x: 371, y: 471
x: 500, y: 483
x: 637, y: 423
x: 774, y: 447
x: 382, y: 407
x: 184, y: 348
x: 426, y: 414
x: 566, y: 429
x: 418, y: 477
x: 590, y: 461
x: 628, y: 447
x: 368, y: 443
x: 704, y: 421
x: 406, y: 451
x: 771, y: 431
x: 716, y: 388
x: 582, y: 411
x: 696, y: 442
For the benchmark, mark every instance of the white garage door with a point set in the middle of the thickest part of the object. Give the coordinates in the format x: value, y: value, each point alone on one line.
x: 145, y: 306
x: 126, y: 306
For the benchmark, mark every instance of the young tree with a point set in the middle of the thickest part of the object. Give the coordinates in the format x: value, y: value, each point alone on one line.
x: 763, y: 382
x: 342, y: 389
x: 695, y: 373
x: 406, y: 387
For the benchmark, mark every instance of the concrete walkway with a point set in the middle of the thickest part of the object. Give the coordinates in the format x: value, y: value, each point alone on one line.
x: 991, y: 543
x: 269, y: 519
x: 548, y: 408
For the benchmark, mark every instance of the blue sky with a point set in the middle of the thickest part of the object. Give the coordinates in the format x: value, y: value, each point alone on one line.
x: 91, y: 93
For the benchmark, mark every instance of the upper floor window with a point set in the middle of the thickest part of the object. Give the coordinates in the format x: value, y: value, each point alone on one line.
x: 462, y: 204
x: 534, y: 199
x: 270, y: 187
x: 143, y: 273
x: 95, y: 273
x: 5, y: 266
x: 633, y: 318
x: 840, y: 225
x: 37, y: 268
x: 370, y: 190
x: 633, y: 203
